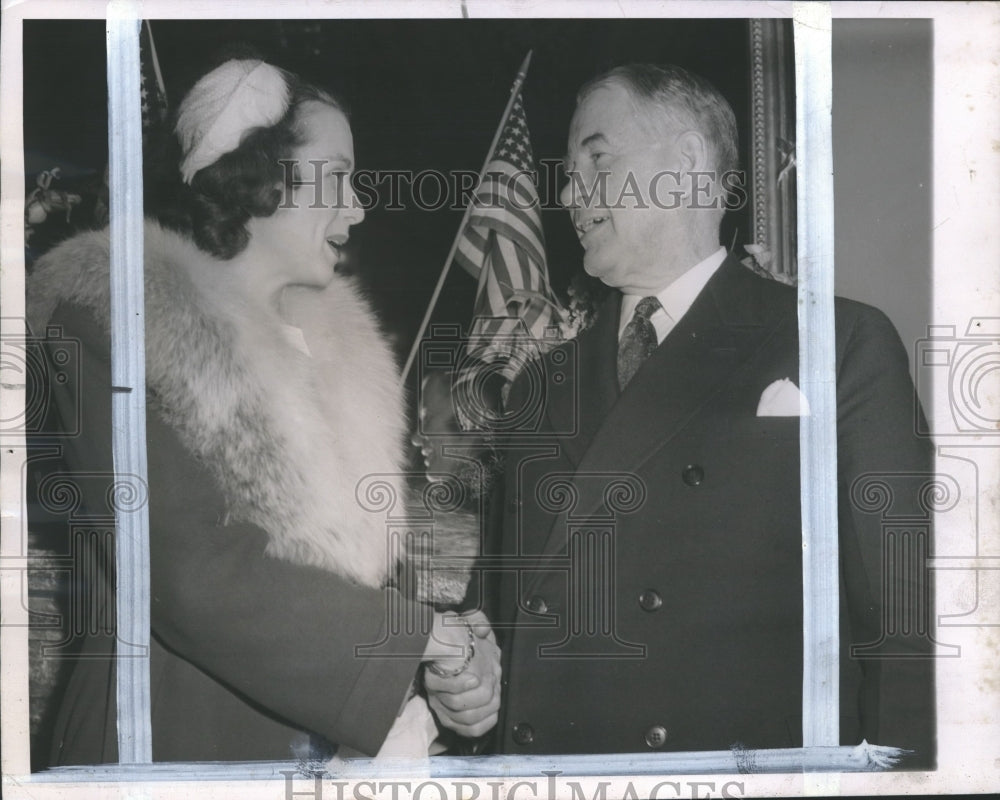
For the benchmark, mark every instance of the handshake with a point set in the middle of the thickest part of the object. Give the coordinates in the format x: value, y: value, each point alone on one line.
x: 461, y: 676
x: 462, y: 673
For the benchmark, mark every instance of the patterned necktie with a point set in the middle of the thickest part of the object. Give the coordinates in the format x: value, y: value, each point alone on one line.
x: 638, y: 340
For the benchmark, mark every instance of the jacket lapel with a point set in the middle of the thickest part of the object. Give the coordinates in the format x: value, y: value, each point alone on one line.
x: 728, y: 322
x: 577, y: 407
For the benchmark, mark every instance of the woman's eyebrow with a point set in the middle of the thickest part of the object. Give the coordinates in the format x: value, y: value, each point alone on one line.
x: 342, y: 159
x: 327, y: 160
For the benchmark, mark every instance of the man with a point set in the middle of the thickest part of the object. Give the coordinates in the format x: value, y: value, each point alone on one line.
x: 651, y: 597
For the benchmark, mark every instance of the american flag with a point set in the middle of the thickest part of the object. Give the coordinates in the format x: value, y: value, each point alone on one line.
x: 152, y: 91
x: 503, y: 246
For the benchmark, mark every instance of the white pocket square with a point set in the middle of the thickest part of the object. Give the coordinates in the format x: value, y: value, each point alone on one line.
x: 783, y: 399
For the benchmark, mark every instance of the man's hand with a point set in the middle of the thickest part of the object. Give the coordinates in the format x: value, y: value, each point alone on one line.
x: 468, y: 703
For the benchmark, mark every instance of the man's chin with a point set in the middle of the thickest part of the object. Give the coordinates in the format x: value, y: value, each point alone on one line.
x: 600, y: 269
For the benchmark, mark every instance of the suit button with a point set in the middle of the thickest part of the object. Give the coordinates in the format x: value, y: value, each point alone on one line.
x: 524, y: 733
x: 537, y: 605
x: 693, y: 475
x: 650, y: 600
x: 656, y: 736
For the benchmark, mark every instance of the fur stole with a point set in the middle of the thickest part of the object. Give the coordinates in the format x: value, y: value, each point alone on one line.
x: 291, y: 412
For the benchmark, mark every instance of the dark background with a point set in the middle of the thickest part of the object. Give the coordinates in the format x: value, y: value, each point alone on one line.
x: 423, y: 94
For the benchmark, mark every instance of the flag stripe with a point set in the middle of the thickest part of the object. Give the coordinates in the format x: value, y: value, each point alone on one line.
x: 526, y: 236
x: 523, y: 230
x: 503, y: 246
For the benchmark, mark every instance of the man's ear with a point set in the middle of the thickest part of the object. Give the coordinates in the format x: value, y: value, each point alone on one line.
x: 692, y: 152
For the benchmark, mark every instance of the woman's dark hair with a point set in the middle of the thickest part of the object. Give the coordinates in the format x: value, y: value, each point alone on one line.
x: 243, y: 183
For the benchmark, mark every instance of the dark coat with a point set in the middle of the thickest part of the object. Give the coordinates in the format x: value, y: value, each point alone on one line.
x: 676, y: 621
x: 250, y: 655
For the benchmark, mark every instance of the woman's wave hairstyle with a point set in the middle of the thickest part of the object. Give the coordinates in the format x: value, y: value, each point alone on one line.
x: 243, y: 183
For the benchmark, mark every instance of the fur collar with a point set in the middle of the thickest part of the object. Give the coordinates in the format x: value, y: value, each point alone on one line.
x: 288, y: 435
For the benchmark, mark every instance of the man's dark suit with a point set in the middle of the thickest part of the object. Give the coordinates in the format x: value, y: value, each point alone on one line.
x: 703, y: 567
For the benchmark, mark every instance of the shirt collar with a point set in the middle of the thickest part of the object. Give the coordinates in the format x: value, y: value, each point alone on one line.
x: 678, y: 296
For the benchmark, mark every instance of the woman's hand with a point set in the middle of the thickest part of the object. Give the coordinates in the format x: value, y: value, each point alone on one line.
x: 469, y: 702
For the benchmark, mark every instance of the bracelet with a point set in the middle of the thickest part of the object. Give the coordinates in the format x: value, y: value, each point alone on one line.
x: 470, y: 652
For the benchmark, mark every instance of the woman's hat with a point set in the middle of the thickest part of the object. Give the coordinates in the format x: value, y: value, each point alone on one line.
x: 222, y: 106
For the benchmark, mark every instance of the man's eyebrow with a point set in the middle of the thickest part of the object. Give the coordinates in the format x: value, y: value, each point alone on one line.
x: 594, y: 137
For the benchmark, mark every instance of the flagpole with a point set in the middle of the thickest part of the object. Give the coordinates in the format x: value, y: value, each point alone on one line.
x: 518, y: 81
x: 156, y: 62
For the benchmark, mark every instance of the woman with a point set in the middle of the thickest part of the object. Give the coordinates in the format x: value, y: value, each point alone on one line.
x: 271, y: 395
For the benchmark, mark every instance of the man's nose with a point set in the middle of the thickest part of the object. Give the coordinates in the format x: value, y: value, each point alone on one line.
x: 569, y: 196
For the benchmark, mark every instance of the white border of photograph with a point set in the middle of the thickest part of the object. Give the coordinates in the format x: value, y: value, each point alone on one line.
x: 966, y: 252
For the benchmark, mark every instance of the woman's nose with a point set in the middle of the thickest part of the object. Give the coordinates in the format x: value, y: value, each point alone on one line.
x: 353, y: 211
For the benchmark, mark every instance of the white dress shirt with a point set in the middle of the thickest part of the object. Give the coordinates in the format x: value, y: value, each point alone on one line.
x: 675, y: 299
